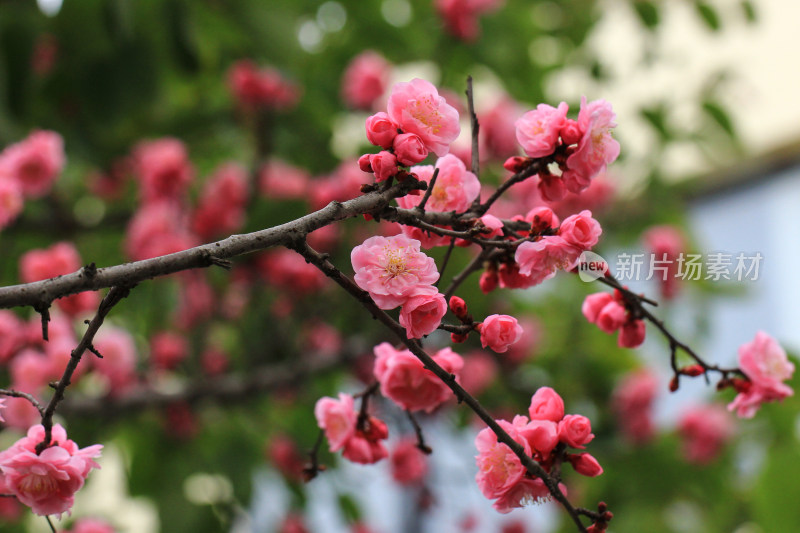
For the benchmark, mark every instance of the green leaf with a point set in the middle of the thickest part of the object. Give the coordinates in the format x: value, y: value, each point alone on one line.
x: 648, y: 13
x: 720, y: 116
x: 708, y: 14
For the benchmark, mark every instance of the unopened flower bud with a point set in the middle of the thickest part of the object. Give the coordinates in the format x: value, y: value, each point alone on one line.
x: 516, y: 163
x: 674, y: 384
x: 692, y: 370
x: 458, y: 338
x: 488, y: 281
x: 458, y: 306
x: 571, y: 132
x: 364, y: 164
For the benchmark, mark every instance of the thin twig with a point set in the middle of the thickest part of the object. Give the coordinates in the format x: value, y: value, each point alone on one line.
x: 475, y: 264
x: 114, y: 296
x: 428, y: 192
x: 19, y: 394
x: 445, y: 261
x: 424, y: 448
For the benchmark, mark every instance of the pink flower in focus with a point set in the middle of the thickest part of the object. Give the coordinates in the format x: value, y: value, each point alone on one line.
x: 542, y: 435
x: 383, y: 164
x: 585, y: 464
x: 416, y: 107
x: 525, y: 492
x: 538, y: 130
x: 596, y: 149
x: 365, y: 80
x: 409, y: 149
x: 408, y: 463
x: 594, y: 303
x: 162, y: 168
x: 612, y: 317
x: 392, y: 269
x: 406, y: 381
x: 705, y: 429
x: 381, y: 131
x: 281, y: 181
x: 34, y: 163
x: 498, y: 332
x: 422, y: 312
x: 575, y: 431
x: 581, y: 230
x: 455, y: 188
x: 540, y: 260
x: 337, y: 418
x: 499, y: 469
x: 765, y: 364
x: 546, y: 404
x: 47, y: 482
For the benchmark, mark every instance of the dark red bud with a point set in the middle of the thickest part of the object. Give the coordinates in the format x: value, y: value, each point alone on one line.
x: 458, y: 306
x: 673, y: 384
x: 692, y: 370
x: 516, y: 163
x: 458, y: 338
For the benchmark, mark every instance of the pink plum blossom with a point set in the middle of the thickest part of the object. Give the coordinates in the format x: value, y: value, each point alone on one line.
x: 538, y: 130
x: 526, y: 492
x: 585, y: 464
x: 409, y: 149
x: 254, y: 87
x: 455, y: 188
x: 581, y: 230
x: 34, y: 163
x: 461, y: 16
x: 541, y: 259
x: 765, y: 364
x: 365, y: 79
x: 162, y: 168
x: 596, y: 149
x: 381, y: 131
x: 408, y: 463
x: 118, y: 364
x: 499, y: 469
x: 633, y: 404
x: 498, y: 332
x: 365, y: 446
x: 546, y: 404
x: 575, y: 430
x: 337, y: 418
x: 392, y: 269
x: 422, y: 312
x: 221, y: 206
x: 406, y: 381
x: 11, y: 200
x: 282, y: 181
x: 416, y: 107
x: 47, y: 482
x: 705, y: 429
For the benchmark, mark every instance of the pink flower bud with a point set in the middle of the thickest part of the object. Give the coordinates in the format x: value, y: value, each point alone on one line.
x: 585, y: 464
x: 498, y: 332
x: 409, y: 149
x: 594, y: 303
x: 381, y: 131
x: 458, y: 306
x: 551, y: 187
x: 575, y: 431
x: 546, y: 404
x: 488, y: 281
x: 581, y: 230
x: 612, y: 317
x: 541, y: 219
x: 516, y: 163
x: 571, y: 132
x: 364, y: 164
x: 632, y: 334
x: 384, y: 164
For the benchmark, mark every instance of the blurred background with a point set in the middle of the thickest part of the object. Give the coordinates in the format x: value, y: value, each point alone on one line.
x: 709, y: 124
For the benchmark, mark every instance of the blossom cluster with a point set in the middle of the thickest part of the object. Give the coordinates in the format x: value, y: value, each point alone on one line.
x: 555, y: 246
x: 586, y: 145
x: 395, y: 273
x: 47, y: 481
x: 417, y: 121
x: 609, y: 313
x: 544, y: 435
x: 358, y: 436
x: 27, y: 170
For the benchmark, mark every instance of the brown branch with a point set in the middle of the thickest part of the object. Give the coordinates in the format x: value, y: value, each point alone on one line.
x: 534, y: 468
x: 473, y: 118
x: 41, y: 293
x: 112, y: 298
